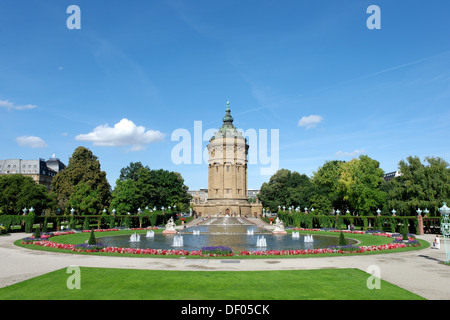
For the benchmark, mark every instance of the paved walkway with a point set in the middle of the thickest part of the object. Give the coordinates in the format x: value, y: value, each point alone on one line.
x: 417, y: 271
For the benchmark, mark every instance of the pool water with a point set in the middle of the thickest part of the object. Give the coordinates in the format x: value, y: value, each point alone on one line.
x: 230, y: 232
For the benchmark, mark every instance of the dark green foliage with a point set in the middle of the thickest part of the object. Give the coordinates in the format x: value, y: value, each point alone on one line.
x: 37, y: 233
x: 92, y: 239
x: 342, y: 241
x: 18, y: 192
x: 140, y: 185
x: 86, y: 225
x: 82, y: 185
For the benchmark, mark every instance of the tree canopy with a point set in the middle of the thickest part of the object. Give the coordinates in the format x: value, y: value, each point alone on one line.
x: 139, y: 186
x: 421, y: 185
x: 83, y: 175
x: 358, y: 186
x: 18, y: 192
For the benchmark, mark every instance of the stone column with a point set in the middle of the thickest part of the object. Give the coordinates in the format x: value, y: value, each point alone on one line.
x: 420, y: 224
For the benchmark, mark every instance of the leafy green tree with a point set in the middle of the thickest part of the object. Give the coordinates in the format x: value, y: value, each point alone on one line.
x: 140, y: 186
x: 326, y: 182
x: 360, y: 182
x: 126, y: 197
x: 131, y: 172
x: 84, y: 167
x: 321, y: 204
x: 85, y: 200
x: 18, y: 192
x: 421, y: 185
x: 286, y: 188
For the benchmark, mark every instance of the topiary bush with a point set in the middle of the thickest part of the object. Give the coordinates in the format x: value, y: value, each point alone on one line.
x: 342, y: 241
x: 92, y: 239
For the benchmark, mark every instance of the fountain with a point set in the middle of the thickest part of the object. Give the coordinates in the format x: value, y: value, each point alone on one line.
x: 150, y: 234
x: 261, y: 242
x: 135, y: 237
x: 234, y: 234
x: 177, y: 241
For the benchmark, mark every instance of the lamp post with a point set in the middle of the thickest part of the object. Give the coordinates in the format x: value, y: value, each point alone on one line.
x: 420, y: 221
x: 445, y: 228
x: 393, y: 212
x: 378, y: 212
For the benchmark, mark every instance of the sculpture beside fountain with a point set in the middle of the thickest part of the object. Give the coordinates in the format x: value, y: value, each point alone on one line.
x: 279, y: 227
x: 170, y: 227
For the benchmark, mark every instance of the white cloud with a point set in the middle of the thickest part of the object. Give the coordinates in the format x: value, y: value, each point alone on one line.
x: 349, y: 154
x: 30, y: 141
x: 11, y: 106
x: 122, y: 134
x: 310, y: 121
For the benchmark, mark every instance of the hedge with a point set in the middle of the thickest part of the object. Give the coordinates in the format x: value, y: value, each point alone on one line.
x: 383, y: 223
x: 104, y: 221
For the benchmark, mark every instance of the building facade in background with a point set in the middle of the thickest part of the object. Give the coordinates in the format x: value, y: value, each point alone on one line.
x: 40, y: 170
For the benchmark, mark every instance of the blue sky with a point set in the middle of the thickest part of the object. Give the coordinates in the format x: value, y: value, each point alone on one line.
x: 137, y: 71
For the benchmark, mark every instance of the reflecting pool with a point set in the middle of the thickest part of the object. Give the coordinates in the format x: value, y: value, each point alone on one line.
x: 236, y: 233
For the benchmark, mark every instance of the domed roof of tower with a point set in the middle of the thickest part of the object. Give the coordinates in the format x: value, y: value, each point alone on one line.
x: 228, y: 129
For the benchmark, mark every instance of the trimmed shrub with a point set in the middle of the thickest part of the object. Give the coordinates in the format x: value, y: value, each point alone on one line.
x: 92, y: 239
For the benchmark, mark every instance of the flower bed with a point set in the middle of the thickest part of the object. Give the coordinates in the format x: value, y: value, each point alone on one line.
x: 221, y: 251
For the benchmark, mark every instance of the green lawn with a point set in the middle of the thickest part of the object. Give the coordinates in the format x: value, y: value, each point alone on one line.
x: 125, y: 284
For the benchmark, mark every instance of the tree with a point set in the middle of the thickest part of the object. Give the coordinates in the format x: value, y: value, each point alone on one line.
x: 360, y: 182
x: 85, y: 200
x: 18, y: 192
x: 286, y: 188
x: 326, y: 181
x: 83, y: 167
x: 140, y: 186
x: 132, y: 171
x: 126, y: 197
x: 419, y: 186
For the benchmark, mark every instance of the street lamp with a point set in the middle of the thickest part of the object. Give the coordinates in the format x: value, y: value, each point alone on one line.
x: 393, y: 212
x: 419, y: 212
x: 113, y: 212
x: 426, y: 211
x: 338, y: 212
x: 378, y: 211
x: 72, y: 211
x: 445, y: 227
